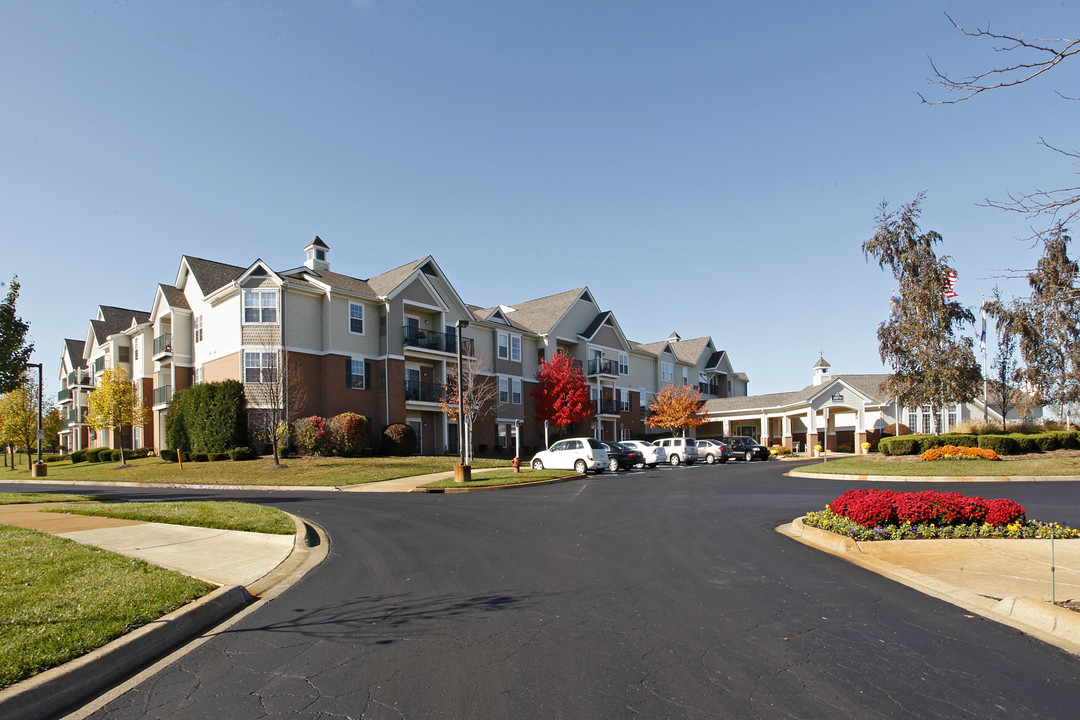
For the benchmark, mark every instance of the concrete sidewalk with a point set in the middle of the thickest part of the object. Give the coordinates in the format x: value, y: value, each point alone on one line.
x: 1005, y: 580
x: 250, y: 568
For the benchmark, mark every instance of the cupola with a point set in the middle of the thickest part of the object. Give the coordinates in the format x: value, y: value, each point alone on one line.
x: 316, y: 253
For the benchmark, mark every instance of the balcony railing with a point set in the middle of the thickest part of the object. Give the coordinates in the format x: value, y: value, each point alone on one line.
x: 64, y: 395
x: 163, y: 343
x: 423, y: 391
x: 607, y: 407
x: 162, y: 395
x: 99, y: 364
x: 707, y: 389
x: 82, y: 377
x: 603, y: 366
x: 432, y: 340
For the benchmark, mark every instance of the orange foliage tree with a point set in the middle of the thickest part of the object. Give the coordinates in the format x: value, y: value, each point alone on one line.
x: 676, y: 407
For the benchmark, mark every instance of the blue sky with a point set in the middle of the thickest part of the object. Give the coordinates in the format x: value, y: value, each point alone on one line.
x: 704, y: 167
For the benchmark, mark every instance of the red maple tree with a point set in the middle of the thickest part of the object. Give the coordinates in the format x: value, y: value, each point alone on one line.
x: 561, y: 394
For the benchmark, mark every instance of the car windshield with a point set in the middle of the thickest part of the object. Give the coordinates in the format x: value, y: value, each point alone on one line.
x: 596, y: 444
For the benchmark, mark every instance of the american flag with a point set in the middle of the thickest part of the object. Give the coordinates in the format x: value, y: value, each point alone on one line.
x: 950, y: 285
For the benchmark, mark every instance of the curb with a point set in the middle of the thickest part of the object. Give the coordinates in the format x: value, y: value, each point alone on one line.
x: 64, y: 687
x: 932, y: 478
x: 465, y: 489
x: 1049, y: 623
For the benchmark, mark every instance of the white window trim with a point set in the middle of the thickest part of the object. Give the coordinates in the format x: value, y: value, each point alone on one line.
x: 363, y: 325
x: 504, y: 389
x: 362, y: 375
x: 667, y: 371
x: 515, y: 348
x: 502, y: 345
x: 259, y: 293
x: 261, y: 367
x: 624, y: 364
x: 515, y: 391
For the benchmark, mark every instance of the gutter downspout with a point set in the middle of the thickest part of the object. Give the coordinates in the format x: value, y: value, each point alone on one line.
x: 386, y: 363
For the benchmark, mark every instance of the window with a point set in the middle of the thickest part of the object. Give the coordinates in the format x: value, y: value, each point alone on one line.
x: 624, y: 401
x: 260, y: 367
x: 504, y: 346
x: 926, y: 419
x: 515, y: 392
x: 685, y: 377
x: 124, y: 353
x: 355, y: 374
x: 515, y: 348
x: 260, y: 306
x: 667, y: 372
x: 356, y: 318
x: 504, y: 389
x: 913, y: 420
x: 198, y: 375
x: 198, y: 328
x: 135, y: 346
x: 625, y: 434
x: 952, y: 416
x: 624, y: 364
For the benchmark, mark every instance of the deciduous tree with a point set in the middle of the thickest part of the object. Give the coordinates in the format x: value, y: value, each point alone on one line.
x: 272, y: 395
x: 931, y: 365
x: 561, y: 395
x: 676, y: 408
x: 14, y: 350
x: 479, y: 394
x: 1004, y: 393
x: 115, y: 404
x: 19, y: 416
x: 1045, y: 324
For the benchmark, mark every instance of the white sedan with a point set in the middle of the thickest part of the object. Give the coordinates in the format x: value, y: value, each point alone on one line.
x: 653, y: 454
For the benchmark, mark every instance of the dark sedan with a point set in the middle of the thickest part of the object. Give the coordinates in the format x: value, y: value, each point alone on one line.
x: 622, y: 456
x: 746, y: 448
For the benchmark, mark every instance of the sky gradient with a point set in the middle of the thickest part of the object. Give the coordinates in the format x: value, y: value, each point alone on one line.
x: 703, y: 167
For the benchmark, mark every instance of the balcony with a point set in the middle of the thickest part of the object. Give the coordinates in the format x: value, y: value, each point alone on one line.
x: 607, y: 407
x: 64, y: 395
x: 431, y: 340
x: 602, y: 366
x: 416, y: 391
x: 99, y: 364
x: 81, y: 378
x: 162, y: 395
x: 163, y: 344
x: 708, y: 389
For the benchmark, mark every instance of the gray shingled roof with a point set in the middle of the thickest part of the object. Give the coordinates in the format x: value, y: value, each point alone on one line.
x: 688, y: 351
x: 174, y: 296
x: 75, y: 351
x: 869, y: 385
x: 115, y: 320
x: 384, y: 283
x: 540, y: 315
x: 596, y: 324
x: 345, y: 283
x: 212, y: 275
x: 715, y: 358
x: 654, y: 348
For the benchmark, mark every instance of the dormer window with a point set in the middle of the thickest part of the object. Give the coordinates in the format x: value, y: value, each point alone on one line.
x: 260, y: 306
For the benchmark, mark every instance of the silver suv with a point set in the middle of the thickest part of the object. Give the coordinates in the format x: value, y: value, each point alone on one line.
x: 679, y: 450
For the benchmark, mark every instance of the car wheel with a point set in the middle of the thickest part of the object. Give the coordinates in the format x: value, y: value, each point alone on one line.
x: 538, y: 464
x: 748, y: 456
x: 613, y: 465
x: 652, y: 465
x: 674, y: 459
x: 580, y: 467
x: 710, y: 459
x: 723, y: 460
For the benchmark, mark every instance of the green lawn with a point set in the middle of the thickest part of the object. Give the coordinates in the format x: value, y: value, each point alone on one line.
x: 502, y: 477
x: 24, y: 498
x: 209, y: 514
x: 330, y: 471
x: 60, y: 599
x: 1061, y: 462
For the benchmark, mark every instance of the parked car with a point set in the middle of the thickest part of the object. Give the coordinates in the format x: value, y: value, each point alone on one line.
x: 679, y: 450
x: 577, y: 454
x: 713, y: 451
x: 621, y: 456
x: 746, y: 448
x: 652, y: 455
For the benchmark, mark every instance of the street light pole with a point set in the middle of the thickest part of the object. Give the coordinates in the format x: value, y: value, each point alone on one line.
x: 462, y: 470
x: 38, y: 466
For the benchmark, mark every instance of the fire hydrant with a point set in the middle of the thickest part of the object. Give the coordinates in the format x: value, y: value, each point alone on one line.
x: 516, y: 462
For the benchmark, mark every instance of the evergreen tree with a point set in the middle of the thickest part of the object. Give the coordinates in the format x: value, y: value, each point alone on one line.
x: 14, y: 351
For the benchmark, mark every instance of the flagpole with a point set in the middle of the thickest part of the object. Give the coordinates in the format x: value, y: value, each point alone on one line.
x: 982, y: 344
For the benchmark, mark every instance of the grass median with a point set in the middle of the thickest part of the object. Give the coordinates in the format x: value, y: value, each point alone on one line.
x: 507, y: 476
x: 247, y: 517
x: 304, y: 471
x: 1056, y: 463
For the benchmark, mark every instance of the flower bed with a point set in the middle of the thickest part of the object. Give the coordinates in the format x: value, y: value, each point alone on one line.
x: 893, y: 515
x: 955, y: 452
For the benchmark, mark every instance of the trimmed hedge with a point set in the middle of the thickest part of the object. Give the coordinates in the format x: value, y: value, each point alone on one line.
x: 207, y: 418
x: 200, y: 457
x: 399, y: 439
x: 242, y: 453
x: 959, y: 440
x: 350, y: 434
x: 1001, y: 444
x: 79, y: 456
x: 93, y: 455
x: 900, y: 445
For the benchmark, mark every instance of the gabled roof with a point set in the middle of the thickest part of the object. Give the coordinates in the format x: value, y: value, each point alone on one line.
x: 867, y: 385
x: 715, y: 359
x: 689, y: 351
x: 317, y: 242
x: 493, y: 314
x: 542, y: 314
x: 113, y: 320
x: 385, y: 283
x: 209, y: 275
x: 174, y: 297
x: 655, y: 348
x: 605, y: 319
x: 74, y: 350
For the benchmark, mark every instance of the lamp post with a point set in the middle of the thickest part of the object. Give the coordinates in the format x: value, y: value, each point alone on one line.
x: 462, y: 472
x: 40, y: 469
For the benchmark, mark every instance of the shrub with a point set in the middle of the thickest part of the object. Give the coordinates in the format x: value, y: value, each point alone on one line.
x: 242, y: 453
x: 1001, y: 444
x: 218, y: 457
x: 879, y: 508
x: 200, y: 457
x: 350, y: 434
x: 959, y: 440
x: 208, y: 417
x: 780, y: 450
x: 845, y: 448
x: 1025, y: 443
x: 78, y: 456
x: 399, y: 439
x: 311, y: 436
x: 952, y: 452
x: 115, y: 456
x: 900, y: 445
x: 168, y: 455
x: 93, y: 455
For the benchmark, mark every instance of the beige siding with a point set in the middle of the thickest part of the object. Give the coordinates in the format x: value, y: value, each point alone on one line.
x: 182, y: 337
x: 261, y: 335
x: 529, y: 362
x: 303, y: 321
x: 348, y: 343
x: 608, y: 338
x: 221, y: 327
x: 417, y: 292
x: 577, y: 319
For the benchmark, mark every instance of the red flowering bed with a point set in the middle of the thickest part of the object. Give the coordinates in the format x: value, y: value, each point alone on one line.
x: 889, y: 507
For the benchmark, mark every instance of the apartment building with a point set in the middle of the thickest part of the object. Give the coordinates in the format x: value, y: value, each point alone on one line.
x: 383, y: 347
